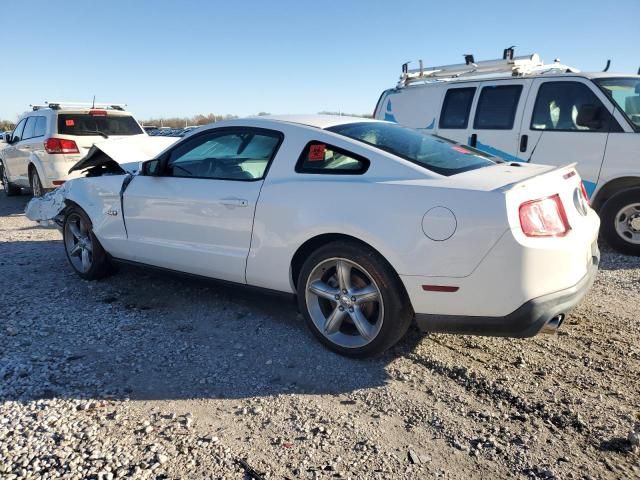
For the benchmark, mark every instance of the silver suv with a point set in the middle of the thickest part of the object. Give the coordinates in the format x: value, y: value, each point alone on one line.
x: 51, y: 138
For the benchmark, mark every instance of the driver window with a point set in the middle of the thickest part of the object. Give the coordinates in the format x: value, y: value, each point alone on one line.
x: 232, y: 155
x: 559, y: 103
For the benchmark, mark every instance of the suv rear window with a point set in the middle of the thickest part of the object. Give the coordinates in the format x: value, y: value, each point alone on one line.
x: 86, y: 124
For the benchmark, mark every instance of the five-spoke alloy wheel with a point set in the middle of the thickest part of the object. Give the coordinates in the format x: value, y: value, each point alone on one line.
x: 352, y: 299
x: 85, y: 254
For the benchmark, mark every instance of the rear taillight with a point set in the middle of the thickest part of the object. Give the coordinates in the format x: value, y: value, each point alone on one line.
x: 60, y: 145
x: 544, y: 218
x: 585, y: 195
x: 98, y: 113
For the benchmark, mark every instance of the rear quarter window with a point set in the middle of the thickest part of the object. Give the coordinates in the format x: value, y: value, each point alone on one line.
x: 86, y: 124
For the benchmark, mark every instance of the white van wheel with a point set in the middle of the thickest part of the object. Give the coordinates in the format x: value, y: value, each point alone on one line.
x: 621, y: 221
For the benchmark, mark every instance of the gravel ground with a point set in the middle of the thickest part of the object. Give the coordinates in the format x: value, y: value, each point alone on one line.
x: 147, y: 375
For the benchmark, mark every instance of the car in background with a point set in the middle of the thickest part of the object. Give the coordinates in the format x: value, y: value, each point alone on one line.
x: 369, y: 223
x: 51, y: 138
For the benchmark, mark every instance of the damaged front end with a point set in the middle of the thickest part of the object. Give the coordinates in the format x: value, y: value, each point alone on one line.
x: 119, y: 158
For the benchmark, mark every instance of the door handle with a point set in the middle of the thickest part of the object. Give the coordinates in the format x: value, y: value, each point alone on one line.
x: 234, y: 202
x: 524, y: 140
x: 473, y: 141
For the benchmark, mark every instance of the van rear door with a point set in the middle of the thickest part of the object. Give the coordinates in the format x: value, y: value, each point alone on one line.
x: 497, y: 117
x: 552, y: 132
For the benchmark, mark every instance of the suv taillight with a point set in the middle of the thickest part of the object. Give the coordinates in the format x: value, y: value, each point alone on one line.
x: 60, y: 145
x: 545, y: 217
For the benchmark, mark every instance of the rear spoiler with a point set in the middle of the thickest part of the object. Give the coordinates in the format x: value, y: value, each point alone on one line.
x: 568, y: 168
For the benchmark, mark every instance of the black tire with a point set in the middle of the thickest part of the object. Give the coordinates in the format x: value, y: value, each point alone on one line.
x: 35, y: 183
x: 100, y: 266
x: 10, y: 189
x: 397, y: 311
x: 610, y: 214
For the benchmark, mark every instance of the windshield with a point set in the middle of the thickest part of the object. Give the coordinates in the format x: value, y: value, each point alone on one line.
x: 625, y: 92
x: 433, y: 153
x: 86, y: 124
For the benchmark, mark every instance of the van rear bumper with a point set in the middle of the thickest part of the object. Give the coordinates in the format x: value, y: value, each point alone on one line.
x: 526, y: 321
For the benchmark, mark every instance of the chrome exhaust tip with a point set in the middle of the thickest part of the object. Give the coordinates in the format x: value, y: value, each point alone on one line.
x: 553, y: 324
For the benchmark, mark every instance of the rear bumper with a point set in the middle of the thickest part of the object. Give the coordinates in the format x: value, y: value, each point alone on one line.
x: 526, y: 321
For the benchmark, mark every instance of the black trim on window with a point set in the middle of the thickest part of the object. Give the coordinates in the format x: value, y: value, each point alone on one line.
x: 331, y: 171
x: 442, y: 122
x: 512, y: 115
x: 214, y: 132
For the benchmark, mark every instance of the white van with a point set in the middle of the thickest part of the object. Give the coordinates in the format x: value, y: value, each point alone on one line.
x: 522, y: 110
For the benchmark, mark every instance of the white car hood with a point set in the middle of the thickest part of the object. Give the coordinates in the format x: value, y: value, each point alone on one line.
x: 127, y: 152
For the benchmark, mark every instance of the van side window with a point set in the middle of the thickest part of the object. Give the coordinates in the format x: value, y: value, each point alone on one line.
x: 318, y: 157
x: 456, y: 108
x: 497, y: 107
x: 569, y: 107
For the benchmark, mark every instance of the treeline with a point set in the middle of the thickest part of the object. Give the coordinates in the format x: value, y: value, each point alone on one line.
x: 6, y: 125
x: 181, y: 122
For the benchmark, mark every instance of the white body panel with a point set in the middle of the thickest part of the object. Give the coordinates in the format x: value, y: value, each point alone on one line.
x: 186, y: 224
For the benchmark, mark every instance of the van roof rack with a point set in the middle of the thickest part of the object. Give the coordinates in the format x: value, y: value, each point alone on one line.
x: 56, y: 105
x: 508, y: 64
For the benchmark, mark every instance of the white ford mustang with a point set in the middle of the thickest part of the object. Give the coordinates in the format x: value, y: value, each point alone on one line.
x: 371, y: 224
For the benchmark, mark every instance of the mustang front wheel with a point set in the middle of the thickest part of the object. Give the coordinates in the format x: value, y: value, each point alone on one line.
x: 84, y: 252
x: 352, y: 299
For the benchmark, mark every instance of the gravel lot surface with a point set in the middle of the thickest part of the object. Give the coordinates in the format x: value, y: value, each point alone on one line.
x: 147, y: 375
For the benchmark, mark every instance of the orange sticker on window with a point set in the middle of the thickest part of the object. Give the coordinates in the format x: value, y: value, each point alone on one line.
x: 316, y: 152
x: 70, y: 122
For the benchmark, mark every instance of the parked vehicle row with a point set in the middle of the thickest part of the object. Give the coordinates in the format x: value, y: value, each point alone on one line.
x: 369, y: 223
x: 527, y: 111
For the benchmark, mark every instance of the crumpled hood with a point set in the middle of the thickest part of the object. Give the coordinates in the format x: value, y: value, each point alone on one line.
x: 126, y: 152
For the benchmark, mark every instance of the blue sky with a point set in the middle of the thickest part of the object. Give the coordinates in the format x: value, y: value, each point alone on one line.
x: 173, y: 58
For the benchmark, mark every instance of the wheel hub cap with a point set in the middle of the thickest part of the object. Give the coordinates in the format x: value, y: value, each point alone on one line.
x: 344, y: 303
x: 634, y: 223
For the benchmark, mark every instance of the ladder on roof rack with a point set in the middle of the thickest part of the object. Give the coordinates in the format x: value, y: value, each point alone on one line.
x: 508, y: 64
x: 55, y: 105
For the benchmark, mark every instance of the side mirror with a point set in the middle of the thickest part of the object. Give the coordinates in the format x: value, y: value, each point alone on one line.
x: 151, y: 168
x: 589, y: 115
x: 7, y: 137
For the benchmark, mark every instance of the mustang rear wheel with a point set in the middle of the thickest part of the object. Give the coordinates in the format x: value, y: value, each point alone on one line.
x: 84, y: 252
x: 352, y: 299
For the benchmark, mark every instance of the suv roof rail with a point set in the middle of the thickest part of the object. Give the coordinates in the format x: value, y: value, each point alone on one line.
x: 508, y: 64
x: 56, y: 105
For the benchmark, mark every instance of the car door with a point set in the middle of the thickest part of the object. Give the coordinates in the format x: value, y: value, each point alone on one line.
x: 196, y: 214
x: 498, y: 113
x: 11, y: 155
x: 551, y: 131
